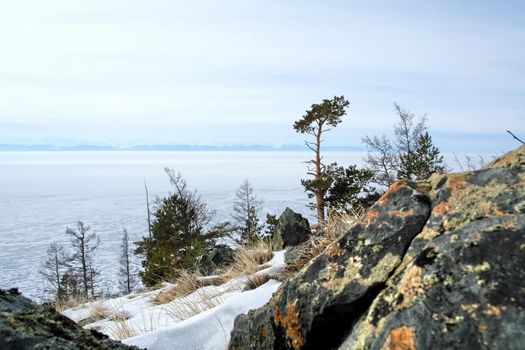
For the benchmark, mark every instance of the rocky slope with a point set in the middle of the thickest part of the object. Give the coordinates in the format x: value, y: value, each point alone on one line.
x: 436, y: 264
x: 26, y: 325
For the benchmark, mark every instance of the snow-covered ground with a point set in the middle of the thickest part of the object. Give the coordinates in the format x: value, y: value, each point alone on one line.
x: 137, y: 320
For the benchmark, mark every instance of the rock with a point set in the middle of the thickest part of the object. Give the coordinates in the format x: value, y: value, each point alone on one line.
x: 435, y: 264
x: 220, y: 256
x: 294, y: 254
x: 26, y: 325
x: 291, y: 230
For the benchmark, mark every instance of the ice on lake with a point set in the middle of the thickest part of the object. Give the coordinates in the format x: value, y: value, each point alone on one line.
x: 42, y: 193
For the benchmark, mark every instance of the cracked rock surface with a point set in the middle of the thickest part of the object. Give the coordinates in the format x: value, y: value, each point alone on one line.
x: 26, y: 325
x: 435, y: 264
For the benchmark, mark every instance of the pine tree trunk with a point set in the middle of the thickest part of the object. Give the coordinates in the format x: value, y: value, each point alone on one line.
x: 318, y: 194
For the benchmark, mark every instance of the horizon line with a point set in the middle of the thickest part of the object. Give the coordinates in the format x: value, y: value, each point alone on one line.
x: 166, y: 147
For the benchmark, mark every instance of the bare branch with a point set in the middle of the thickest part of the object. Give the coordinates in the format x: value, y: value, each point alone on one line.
x: 514, y: 136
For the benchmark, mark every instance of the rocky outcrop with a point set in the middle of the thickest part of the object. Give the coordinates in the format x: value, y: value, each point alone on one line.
x: 291, y: 230
x: 220, y: 256
x: 25, y: 325
x: 436, y: 264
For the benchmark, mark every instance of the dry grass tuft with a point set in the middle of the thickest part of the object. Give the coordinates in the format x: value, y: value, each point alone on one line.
x: 185, y: 284
x: 336, y: 225
x: 213, y: 280
x: 99, y: 311
x: 119, y: 315
x: 200, y: 301
x: 256, y: 280
x: 339, y: 223
x: 71, y: 302
x: 248, y: 259
x: 122, y: 330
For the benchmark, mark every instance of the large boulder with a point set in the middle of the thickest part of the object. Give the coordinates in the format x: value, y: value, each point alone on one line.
x: 435, y: 264
x: 26, y: 325
x: 292, y: 229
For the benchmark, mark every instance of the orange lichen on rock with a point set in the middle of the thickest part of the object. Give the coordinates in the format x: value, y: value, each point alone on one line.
x: 401, y: 338
x: 492, y: 209
x: 410, y: 285
x: 292, y: 326
x: 371, y: 215
x: 262, y: 331
x: 455, y: 183
x: 392, y: 189
x: 402, y: 213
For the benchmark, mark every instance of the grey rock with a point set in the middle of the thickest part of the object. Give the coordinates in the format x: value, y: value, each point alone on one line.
x: 291, y: 230
x: 26, y: 325
x: 295, y: 253
x: 220, y: 256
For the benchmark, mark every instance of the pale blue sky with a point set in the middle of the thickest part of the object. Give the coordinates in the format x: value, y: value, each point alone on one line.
x: 240, y: 72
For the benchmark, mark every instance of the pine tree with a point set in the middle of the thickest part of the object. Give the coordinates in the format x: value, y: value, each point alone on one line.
x: 350, y: 189
x: 423, y: 162
x: 318, y: 120
x: 271, y: 224
x: 127, y: 273
x: 245, y: 213
x: 179, y: 234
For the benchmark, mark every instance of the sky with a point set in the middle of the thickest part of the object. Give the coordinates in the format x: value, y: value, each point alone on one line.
x: 229, y: 72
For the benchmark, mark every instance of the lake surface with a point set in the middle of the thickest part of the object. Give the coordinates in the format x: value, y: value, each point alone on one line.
x: 42, y: 193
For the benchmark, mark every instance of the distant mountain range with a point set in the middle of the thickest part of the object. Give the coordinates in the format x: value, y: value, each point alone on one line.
x: 48, y: 148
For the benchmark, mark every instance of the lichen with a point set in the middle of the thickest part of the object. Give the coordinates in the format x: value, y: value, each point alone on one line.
x: 291, y: 325
x: 485, y: 266
x: 401, y: 338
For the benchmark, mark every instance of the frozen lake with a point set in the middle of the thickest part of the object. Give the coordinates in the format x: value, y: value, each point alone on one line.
x: 41, y: 193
